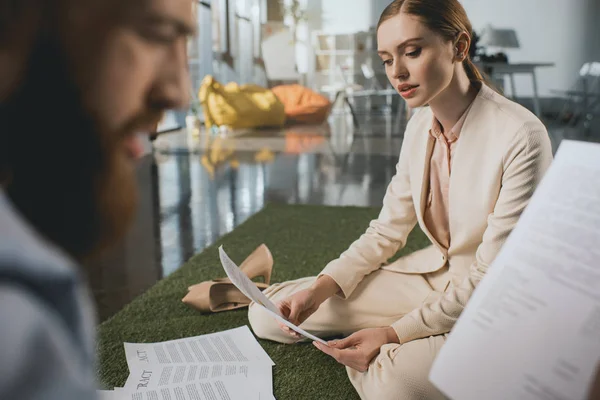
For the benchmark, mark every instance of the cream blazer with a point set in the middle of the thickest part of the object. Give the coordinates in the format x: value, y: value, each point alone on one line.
x: 501, y: 155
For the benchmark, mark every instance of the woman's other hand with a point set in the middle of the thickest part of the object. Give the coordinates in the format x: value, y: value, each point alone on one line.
x: 301, y: 305
x: 359, y: 349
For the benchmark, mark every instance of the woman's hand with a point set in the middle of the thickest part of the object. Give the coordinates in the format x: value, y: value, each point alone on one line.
x: 297, y: 308
x: 357, y: 350
x: 301, y: 305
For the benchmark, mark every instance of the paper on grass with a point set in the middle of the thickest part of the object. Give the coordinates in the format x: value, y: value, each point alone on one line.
x: 234, y: 345
x: 232, y: 388
x: 532, y: 328
x: 248, y: 288
x: 159, y: 376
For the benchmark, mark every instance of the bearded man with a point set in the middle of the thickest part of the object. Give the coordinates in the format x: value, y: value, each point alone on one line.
x: 80, y: 80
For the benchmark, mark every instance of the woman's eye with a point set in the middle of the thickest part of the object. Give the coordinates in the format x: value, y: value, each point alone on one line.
x: 414, y: 53
x: 387, y: 62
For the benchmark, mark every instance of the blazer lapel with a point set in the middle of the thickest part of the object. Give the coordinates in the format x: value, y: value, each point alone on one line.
x: 420, y: 174
x: 425, y: 164
x: 468, y: 148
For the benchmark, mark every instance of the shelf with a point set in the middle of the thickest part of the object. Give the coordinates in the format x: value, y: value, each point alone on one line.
x: 337, y: 59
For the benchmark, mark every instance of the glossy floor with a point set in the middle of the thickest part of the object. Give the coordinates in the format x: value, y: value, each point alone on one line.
x: 198, y: 186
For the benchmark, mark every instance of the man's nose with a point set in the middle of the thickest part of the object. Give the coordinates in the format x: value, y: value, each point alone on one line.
x: 173, y: 87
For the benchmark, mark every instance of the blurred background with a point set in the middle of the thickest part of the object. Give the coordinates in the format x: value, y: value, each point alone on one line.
x: 333, y: 128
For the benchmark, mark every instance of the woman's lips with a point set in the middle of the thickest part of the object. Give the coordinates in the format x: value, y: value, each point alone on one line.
x: 407, y: 91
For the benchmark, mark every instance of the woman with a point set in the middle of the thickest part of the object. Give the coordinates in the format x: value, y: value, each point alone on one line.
x: 470, y: 161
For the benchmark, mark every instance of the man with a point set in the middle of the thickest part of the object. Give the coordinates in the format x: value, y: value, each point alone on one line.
x: 79, y: 80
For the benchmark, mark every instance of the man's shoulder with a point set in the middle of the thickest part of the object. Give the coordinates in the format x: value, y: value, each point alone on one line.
x: 39, y: 271
x: 41, y: 357
x: 24, y: 252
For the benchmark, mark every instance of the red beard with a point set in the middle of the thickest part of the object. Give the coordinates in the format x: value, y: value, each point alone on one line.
x: 69, y: 179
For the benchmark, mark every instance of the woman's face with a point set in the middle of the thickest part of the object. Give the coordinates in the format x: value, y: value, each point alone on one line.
x: 419, y: 63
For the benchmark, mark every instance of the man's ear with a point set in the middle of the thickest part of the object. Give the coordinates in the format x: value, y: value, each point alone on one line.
x: 19, y: 25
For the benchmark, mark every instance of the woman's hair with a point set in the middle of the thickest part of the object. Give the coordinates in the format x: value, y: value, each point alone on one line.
x: 445, y: 17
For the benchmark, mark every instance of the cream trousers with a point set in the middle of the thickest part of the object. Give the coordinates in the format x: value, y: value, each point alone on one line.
x: 399, y: 372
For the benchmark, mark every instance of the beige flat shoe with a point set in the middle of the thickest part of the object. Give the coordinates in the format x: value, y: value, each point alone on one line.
x: 221, y: 295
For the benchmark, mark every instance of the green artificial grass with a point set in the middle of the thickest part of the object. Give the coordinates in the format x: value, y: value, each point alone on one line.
x: 302, y: 239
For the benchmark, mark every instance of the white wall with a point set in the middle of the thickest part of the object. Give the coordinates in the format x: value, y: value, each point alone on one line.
x: 564, y: 32
x: 346, y: 16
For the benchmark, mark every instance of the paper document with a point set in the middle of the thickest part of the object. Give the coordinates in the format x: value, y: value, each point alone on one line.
x: 225, y: 365
x: 234, y: 345
x: 296, y: 328
x: 159, y: 376
x: 216, y: 389
x: 234, y: 353
x: 248, y: 288
x: 532, y: 328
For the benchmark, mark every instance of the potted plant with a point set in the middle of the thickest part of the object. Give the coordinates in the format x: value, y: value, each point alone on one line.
x: 192, y: 120
x: 293, y: 10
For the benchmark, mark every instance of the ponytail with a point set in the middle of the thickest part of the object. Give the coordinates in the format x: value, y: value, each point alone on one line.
x: 472, y: 71
x: 475, y: 75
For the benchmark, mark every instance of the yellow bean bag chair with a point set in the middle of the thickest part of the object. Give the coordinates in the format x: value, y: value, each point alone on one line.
x: 239, y: 107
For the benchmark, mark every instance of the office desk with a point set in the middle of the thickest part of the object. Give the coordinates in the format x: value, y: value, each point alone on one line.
x: 494, y: 69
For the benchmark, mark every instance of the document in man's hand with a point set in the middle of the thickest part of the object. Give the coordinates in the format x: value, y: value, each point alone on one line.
x: 532, y: 328
x: 249, y: 289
